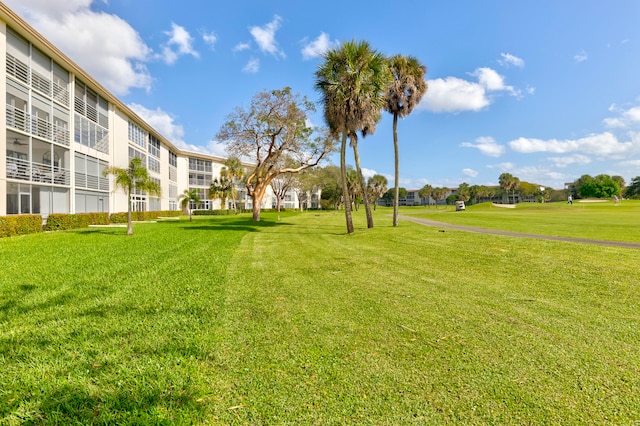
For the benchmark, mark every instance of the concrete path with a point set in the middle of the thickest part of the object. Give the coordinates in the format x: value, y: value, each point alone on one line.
x: 429, y: 222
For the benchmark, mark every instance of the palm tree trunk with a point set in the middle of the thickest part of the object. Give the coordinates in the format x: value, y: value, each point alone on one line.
x: 363, y: 184
x: 345, y: 188
x: 129, y: 223
x: 396, y: 184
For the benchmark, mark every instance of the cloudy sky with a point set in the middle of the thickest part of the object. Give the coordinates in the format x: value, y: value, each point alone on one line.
x: 546, y: 90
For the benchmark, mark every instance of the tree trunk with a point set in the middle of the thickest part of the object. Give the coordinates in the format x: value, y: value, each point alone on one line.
x: 256, y: 207
x: 396, y: 184
x: 278, y: 203
x: 363, y: 184
x: 129, y: 223
x: 345, y: 191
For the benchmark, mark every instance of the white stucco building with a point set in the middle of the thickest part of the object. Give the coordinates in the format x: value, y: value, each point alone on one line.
x: 62, y: 129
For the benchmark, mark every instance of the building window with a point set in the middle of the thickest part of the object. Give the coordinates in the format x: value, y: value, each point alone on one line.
x: 154, y: 165
x: 173, y: 159
x: 137, y: 135
x: 154, y: 146
x: 134, y: 153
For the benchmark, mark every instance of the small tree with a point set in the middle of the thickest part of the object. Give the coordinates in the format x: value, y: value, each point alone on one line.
x: 222, y: 187
x: 377, y: 186
x: 234, y: 172
x: 135, y: 177
x: 186, y: 198
x: 425, y: 192
x: 439, y: 194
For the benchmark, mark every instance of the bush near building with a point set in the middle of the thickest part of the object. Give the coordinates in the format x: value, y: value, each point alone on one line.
x: 60, y: 222
x: 20, y: 224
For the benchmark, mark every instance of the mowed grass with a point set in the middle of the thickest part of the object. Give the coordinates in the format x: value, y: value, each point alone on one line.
x: 582, y: 219
x: 290, y: 321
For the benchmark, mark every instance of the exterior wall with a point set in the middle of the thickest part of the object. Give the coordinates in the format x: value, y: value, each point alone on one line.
x: 3, y: 111
x: 78, y: 184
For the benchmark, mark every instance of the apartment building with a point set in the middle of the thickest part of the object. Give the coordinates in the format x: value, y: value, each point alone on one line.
x: 62, y: 129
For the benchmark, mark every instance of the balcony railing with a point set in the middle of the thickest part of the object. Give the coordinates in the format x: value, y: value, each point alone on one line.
x: 42, y: 84
x: 19, y: 119
x: 37, y: 172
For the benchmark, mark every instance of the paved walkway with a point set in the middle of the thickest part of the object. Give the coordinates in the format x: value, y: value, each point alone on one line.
x: 429, y: 222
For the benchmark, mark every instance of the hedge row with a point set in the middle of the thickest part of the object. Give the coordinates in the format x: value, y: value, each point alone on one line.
x: 20, y: 224
x: 59, y: 222
x: 31, y: 223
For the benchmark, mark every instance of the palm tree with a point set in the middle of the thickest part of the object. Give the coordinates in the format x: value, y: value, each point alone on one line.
x: 352, y: 80
x: 509, y: 183
x: 425, y: 192
x: 221, y: 188
x: 188, y: 196
x: 233, y: 171
x: 135, y: 177
x: 377, y: 185
x: 352, y: 187
x: 405, y: 92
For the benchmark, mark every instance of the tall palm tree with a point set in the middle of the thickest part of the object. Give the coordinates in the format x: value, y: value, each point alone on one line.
x: 221, y: 188
x: 187, y: 197
x: 352, y: 80
x: 135, y: 177
x: 404, y: 93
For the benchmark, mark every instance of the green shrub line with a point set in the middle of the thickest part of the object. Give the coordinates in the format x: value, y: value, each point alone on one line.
x: 20, y: 225
x: 31, y: 223
x: 60, y: 222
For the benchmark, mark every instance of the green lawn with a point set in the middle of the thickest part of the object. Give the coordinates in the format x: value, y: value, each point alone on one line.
x: 223, y: 321
x: 599, y: 220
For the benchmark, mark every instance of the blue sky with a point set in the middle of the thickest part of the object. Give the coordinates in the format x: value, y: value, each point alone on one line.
x: 545, y: 90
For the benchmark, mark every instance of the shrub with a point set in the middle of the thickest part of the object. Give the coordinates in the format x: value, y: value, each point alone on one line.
x: 58, y: 222
x: 20, y: 224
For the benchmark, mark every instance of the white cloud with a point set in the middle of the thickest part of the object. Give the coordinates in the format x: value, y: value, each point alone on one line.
x: 210, y: 39
x: 541, y: 175
x: 252, y: 67
x: 469, y: 173
x: 241, y: 46
x: 603, y: 144
x: 180, y: 43
x: 581, y: 56
x: 509, y: 59
x: 626, y: 118
x: 562, y: 162
x: 367, y: 173
x: 453, y: 94
x: 162, y: 121
x: 217, y: 148
x: 104, y: 45
x: 486, y: 145
x: 318, y: 47
x: 266, y: 37
x: 493, y: 81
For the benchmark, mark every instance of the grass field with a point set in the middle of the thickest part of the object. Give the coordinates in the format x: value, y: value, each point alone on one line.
x: 290, y: 321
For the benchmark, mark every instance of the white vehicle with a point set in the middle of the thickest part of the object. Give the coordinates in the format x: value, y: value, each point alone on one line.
x: 460, y: 206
